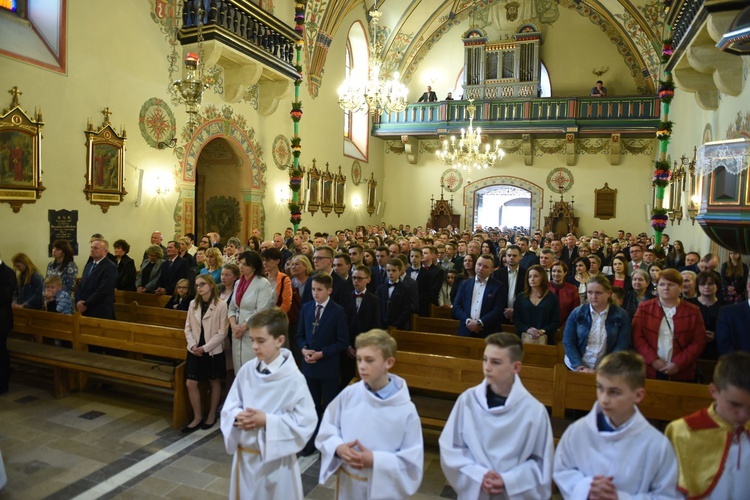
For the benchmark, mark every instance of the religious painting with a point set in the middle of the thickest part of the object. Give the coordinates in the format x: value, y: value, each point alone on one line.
x: 339, y: 198
x: 20, y: 155
x: 105, y: 157
x: 326, y: 205
x: 313, y: 189
x: 372, y: 184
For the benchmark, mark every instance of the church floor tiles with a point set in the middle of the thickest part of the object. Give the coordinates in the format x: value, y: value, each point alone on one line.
x: 112, y: 441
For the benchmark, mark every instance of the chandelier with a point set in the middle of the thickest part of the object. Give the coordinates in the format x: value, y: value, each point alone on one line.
x: 379, y: 95
x: 469, y: 152
x: 190, y: 89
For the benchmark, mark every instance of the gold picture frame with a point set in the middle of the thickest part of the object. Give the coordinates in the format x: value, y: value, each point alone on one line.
x: 105, y: 158
x: 20, y: 154
x: 339, y: 195
x: 326, y: 204
x: 313, y: 189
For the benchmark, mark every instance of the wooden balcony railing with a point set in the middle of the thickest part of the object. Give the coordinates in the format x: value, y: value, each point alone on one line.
x: 245, y: 27
x: 632, y: 115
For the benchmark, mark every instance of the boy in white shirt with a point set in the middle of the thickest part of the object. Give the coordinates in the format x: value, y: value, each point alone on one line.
x: 268, y: 415
x: 497, y: 442
x: 613, y: 452
x: 370, y: 435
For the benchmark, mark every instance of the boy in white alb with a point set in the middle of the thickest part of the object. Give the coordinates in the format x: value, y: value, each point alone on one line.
x: 497, y: 442
x: 370, y: 434
x: 613, y: 452
x: 268, y: 416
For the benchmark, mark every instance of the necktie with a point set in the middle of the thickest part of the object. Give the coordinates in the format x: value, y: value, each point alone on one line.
x: 318, y: 310
x: 382, y: 275
x: 91, y: 271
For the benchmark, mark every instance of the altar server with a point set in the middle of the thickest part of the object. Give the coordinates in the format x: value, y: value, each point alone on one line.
x: 268, y: 415
x: 613, y: 452
x: 497, y: 442
x: 370, y: 435
x: 713, y: 444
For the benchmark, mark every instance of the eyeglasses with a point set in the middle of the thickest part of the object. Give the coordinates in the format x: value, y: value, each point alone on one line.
x: 359, y: 278
x: 199, y: 285
x: 182, y: 287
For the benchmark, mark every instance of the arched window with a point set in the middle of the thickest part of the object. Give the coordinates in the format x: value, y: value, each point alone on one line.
x: 356, y: 125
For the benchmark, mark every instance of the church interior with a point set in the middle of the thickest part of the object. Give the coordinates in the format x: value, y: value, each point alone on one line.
x: 101, y: 131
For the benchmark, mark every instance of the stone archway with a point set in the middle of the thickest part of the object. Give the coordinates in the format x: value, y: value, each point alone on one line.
x: 228, y: 131
x: 470, y: 197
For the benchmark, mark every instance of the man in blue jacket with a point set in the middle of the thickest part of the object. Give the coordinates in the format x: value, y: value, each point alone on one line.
x: 480, y: 302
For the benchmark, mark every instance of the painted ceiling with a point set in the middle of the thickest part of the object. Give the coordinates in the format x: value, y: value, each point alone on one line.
x: 410, y: 28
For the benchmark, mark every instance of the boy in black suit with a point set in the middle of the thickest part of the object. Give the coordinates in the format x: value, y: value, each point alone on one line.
x: 322, y: 334
x: 395, y: 299
x: 424, y: 281
x: 366, y: 317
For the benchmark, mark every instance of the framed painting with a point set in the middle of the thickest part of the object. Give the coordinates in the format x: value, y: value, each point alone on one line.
x: 20, y: 155
x: 313, y: 189
x: 105, y: 157
x: 339, y: 195
x: 326, y: 205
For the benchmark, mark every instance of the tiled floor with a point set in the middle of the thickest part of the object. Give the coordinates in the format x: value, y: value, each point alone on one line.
x: 116, y: 442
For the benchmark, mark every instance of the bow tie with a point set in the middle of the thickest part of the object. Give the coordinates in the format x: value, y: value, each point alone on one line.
x: 357, y: 294
x: 392, y: 284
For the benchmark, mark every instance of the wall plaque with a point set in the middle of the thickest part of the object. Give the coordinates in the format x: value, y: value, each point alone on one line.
x: 63, y: 225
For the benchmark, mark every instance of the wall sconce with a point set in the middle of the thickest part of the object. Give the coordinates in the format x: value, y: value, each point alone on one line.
x: 356, y: 202
x: 282, y: 195
x: 162, y: 187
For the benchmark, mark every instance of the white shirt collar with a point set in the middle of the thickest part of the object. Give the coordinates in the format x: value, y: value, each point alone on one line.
x: 324, y: 304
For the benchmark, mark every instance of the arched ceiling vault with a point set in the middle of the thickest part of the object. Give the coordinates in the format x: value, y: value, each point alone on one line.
x: 409, y: 28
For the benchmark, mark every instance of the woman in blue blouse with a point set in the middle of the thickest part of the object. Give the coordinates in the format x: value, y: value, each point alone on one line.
x: 63, y: 265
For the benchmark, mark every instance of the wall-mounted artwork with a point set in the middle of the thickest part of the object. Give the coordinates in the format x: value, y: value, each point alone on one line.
x: 313, y: 189
x: 105, y: 157
x: 326, y: 206
x: 339, y: 197
x: 372, y: 184
x: 20, y: 154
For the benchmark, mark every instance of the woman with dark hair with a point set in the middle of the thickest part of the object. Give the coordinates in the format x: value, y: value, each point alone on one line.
x: 125, y: 267
x: 205, y: 330
x: 280, y: 281
x: 536, y: 312
x: 668, y: 332
x: 676, y: 256
x: 253, y: 244
x: 709, y: 305
x: 469, y: 271
x: 252, y: 293
x: 488, y: 247
x: 567, y: 294
x: 619, y: 276
x: 369, y: 258
x: 640, y: 291
x: 581, y: 277
x: 63, y: 265
x: 733, y: 278
x: 29, y: 293
x: 595, y: 329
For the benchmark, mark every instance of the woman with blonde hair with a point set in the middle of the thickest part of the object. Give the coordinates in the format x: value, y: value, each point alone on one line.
x: 182, y: 297
x: 214, y: 262
x: 205, y: 330
x: 29, y: 293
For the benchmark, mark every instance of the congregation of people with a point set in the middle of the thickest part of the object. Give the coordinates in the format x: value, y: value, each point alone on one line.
x: 287, y: 322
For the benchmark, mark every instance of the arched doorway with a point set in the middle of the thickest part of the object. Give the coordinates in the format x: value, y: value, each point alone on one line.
x: 221, y: 180
x: 503, y: 201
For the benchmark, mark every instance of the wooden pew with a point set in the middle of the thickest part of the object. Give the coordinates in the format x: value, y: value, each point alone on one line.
x: 471, y: 348
x: 144, y: 299
x: 665, y: 400
x: 440, y: 312
x: 436, y: 382
x: 137, y: 313
x: 443, y: 326
x: 72, y: 365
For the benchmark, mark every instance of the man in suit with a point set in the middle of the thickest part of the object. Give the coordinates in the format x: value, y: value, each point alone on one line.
x: 528, y: 258
x: 395, y: 299
x: 429, y: 256
x: 514, y: 278
x: 480, y: 302
x: 156, y: 239
x: 429, y: 96
x: 322, y: 335
x: 7, y: 287
x: 95, y: 296
x: 278, y: 243
x: 378, y: 272
x: 342, y: 289
x: 173, y: 269
x: 732, y: 330
x: 636, y: 258
x: 424, y: 281
x: 570, y: 252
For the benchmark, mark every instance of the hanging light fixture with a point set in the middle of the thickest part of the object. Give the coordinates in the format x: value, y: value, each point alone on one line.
x: 379, y: 95
x: 190, y: 89
x: 469, y: 152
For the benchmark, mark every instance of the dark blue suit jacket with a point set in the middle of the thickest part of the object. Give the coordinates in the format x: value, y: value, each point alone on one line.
x: 396, y: 310
x: 529, y: 259
x: 170, y: 275
x: 341, y: 294
x: 733, y: 328
x: 331, y: 337
x: 494, y: 302
x: 97, y: 289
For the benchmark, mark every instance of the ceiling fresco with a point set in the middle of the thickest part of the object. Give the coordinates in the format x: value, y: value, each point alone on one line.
x: 410, y: 28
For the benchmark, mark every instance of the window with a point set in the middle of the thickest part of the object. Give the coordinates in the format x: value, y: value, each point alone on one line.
x: 356, y: 64
x: 8, y: 5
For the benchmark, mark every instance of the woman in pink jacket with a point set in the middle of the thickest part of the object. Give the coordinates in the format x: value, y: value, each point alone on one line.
x: 205, y: 330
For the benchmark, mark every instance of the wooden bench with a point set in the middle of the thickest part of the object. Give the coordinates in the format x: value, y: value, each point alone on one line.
x: 134, y: 312
x: 443, y: 326
x: 471, y: 348
x: 441, y: 312
x: 665, y: 400
x: 436, y: 381
x: 71, y: 365
x: 144, y: 299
